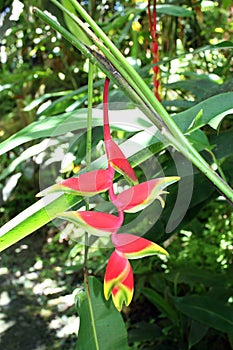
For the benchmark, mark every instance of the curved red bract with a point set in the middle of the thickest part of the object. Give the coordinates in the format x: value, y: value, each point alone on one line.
x: 92, y: 182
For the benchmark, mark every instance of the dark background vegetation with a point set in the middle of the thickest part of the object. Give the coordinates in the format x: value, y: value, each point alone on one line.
x: 40, y: 77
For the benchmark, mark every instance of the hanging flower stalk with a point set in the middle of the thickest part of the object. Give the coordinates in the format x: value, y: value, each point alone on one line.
x: 154, y: 49
x: 118, y: 279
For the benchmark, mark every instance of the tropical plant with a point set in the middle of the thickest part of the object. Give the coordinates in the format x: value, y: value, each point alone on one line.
x: 185, y: 135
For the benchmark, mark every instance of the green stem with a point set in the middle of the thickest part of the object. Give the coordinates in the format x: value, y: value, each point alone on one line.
x: 89, y: 115
x: 217, y: 163
x: 88, y: 160
x: 93, y: 321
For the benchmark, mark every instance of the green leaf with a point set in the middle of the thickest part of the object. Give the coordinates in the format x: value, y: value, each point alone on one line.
x: 223, y: 144
x: 101, y: 325
x: 199, y: 139
x: 34, y: 217
x: 161, y: 303
x: 62, y: 104
x: 28, y: 153
x: 213, y: 107
x: 53, y: 126
x: 196, y: 122
x: 198, y: 87
x: 58, y: 125
x: 173, y: 10
x: 207, y: 310
x: 5, y: 87
x: 75, y: 120
x: 196, y: 333
x: 73, y: 27
x: 47, y: 208
x: 37, y: 101
x: 192, y: 274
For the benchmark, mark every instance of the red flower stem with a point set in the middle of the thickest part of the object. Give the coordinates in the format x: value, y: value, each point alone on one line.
x: 107, y: 133
x: 154, y: 47
x: 154, y: 19
x: 150, y: 17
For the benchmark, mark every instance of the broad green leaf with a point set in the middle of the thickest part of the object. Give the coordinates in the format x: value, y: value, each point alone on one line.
x: 75, y: 120
x: 161, y: 303
x: 213, y: 107
x: 34, y: 217
x: 58, y: 125
x: 48, y: 127
x: 215, y: 122
x: 204, y: 309
x: 101, y: 325
x: 5, y: 87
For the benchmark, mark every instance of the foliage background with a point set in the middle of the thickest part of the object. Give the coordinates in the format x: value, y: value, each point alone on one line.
x: 42, y: 76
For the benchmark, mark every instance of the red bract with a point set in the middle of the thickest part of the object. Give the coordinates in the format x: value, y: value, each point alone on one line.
x: 87, y: 184
x: 118, y: 280
x: 117, y: 160
x: 95, y: 223
x: 140, y: 196
x: 134, y: 247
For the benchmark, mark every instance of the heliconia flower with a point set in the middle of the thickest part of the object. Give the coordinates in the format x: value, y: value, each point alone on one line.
x: 119, y: 281
x: 134, y: 247
x: 87, y: 184
x: 140, y: 196
x: 95, y: 223
x: 115, y: 156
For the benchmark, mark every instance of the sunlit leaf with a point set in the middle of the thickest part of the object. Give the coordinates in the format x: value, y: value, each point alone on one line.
x: 34, y: 217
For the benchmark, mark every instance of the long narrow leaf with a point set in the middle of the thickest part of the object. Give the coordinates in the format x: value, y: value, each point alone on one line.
x: 34, y: 217
x: 76, y: 120
x: 207, y: 310
x: 212, y: 108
